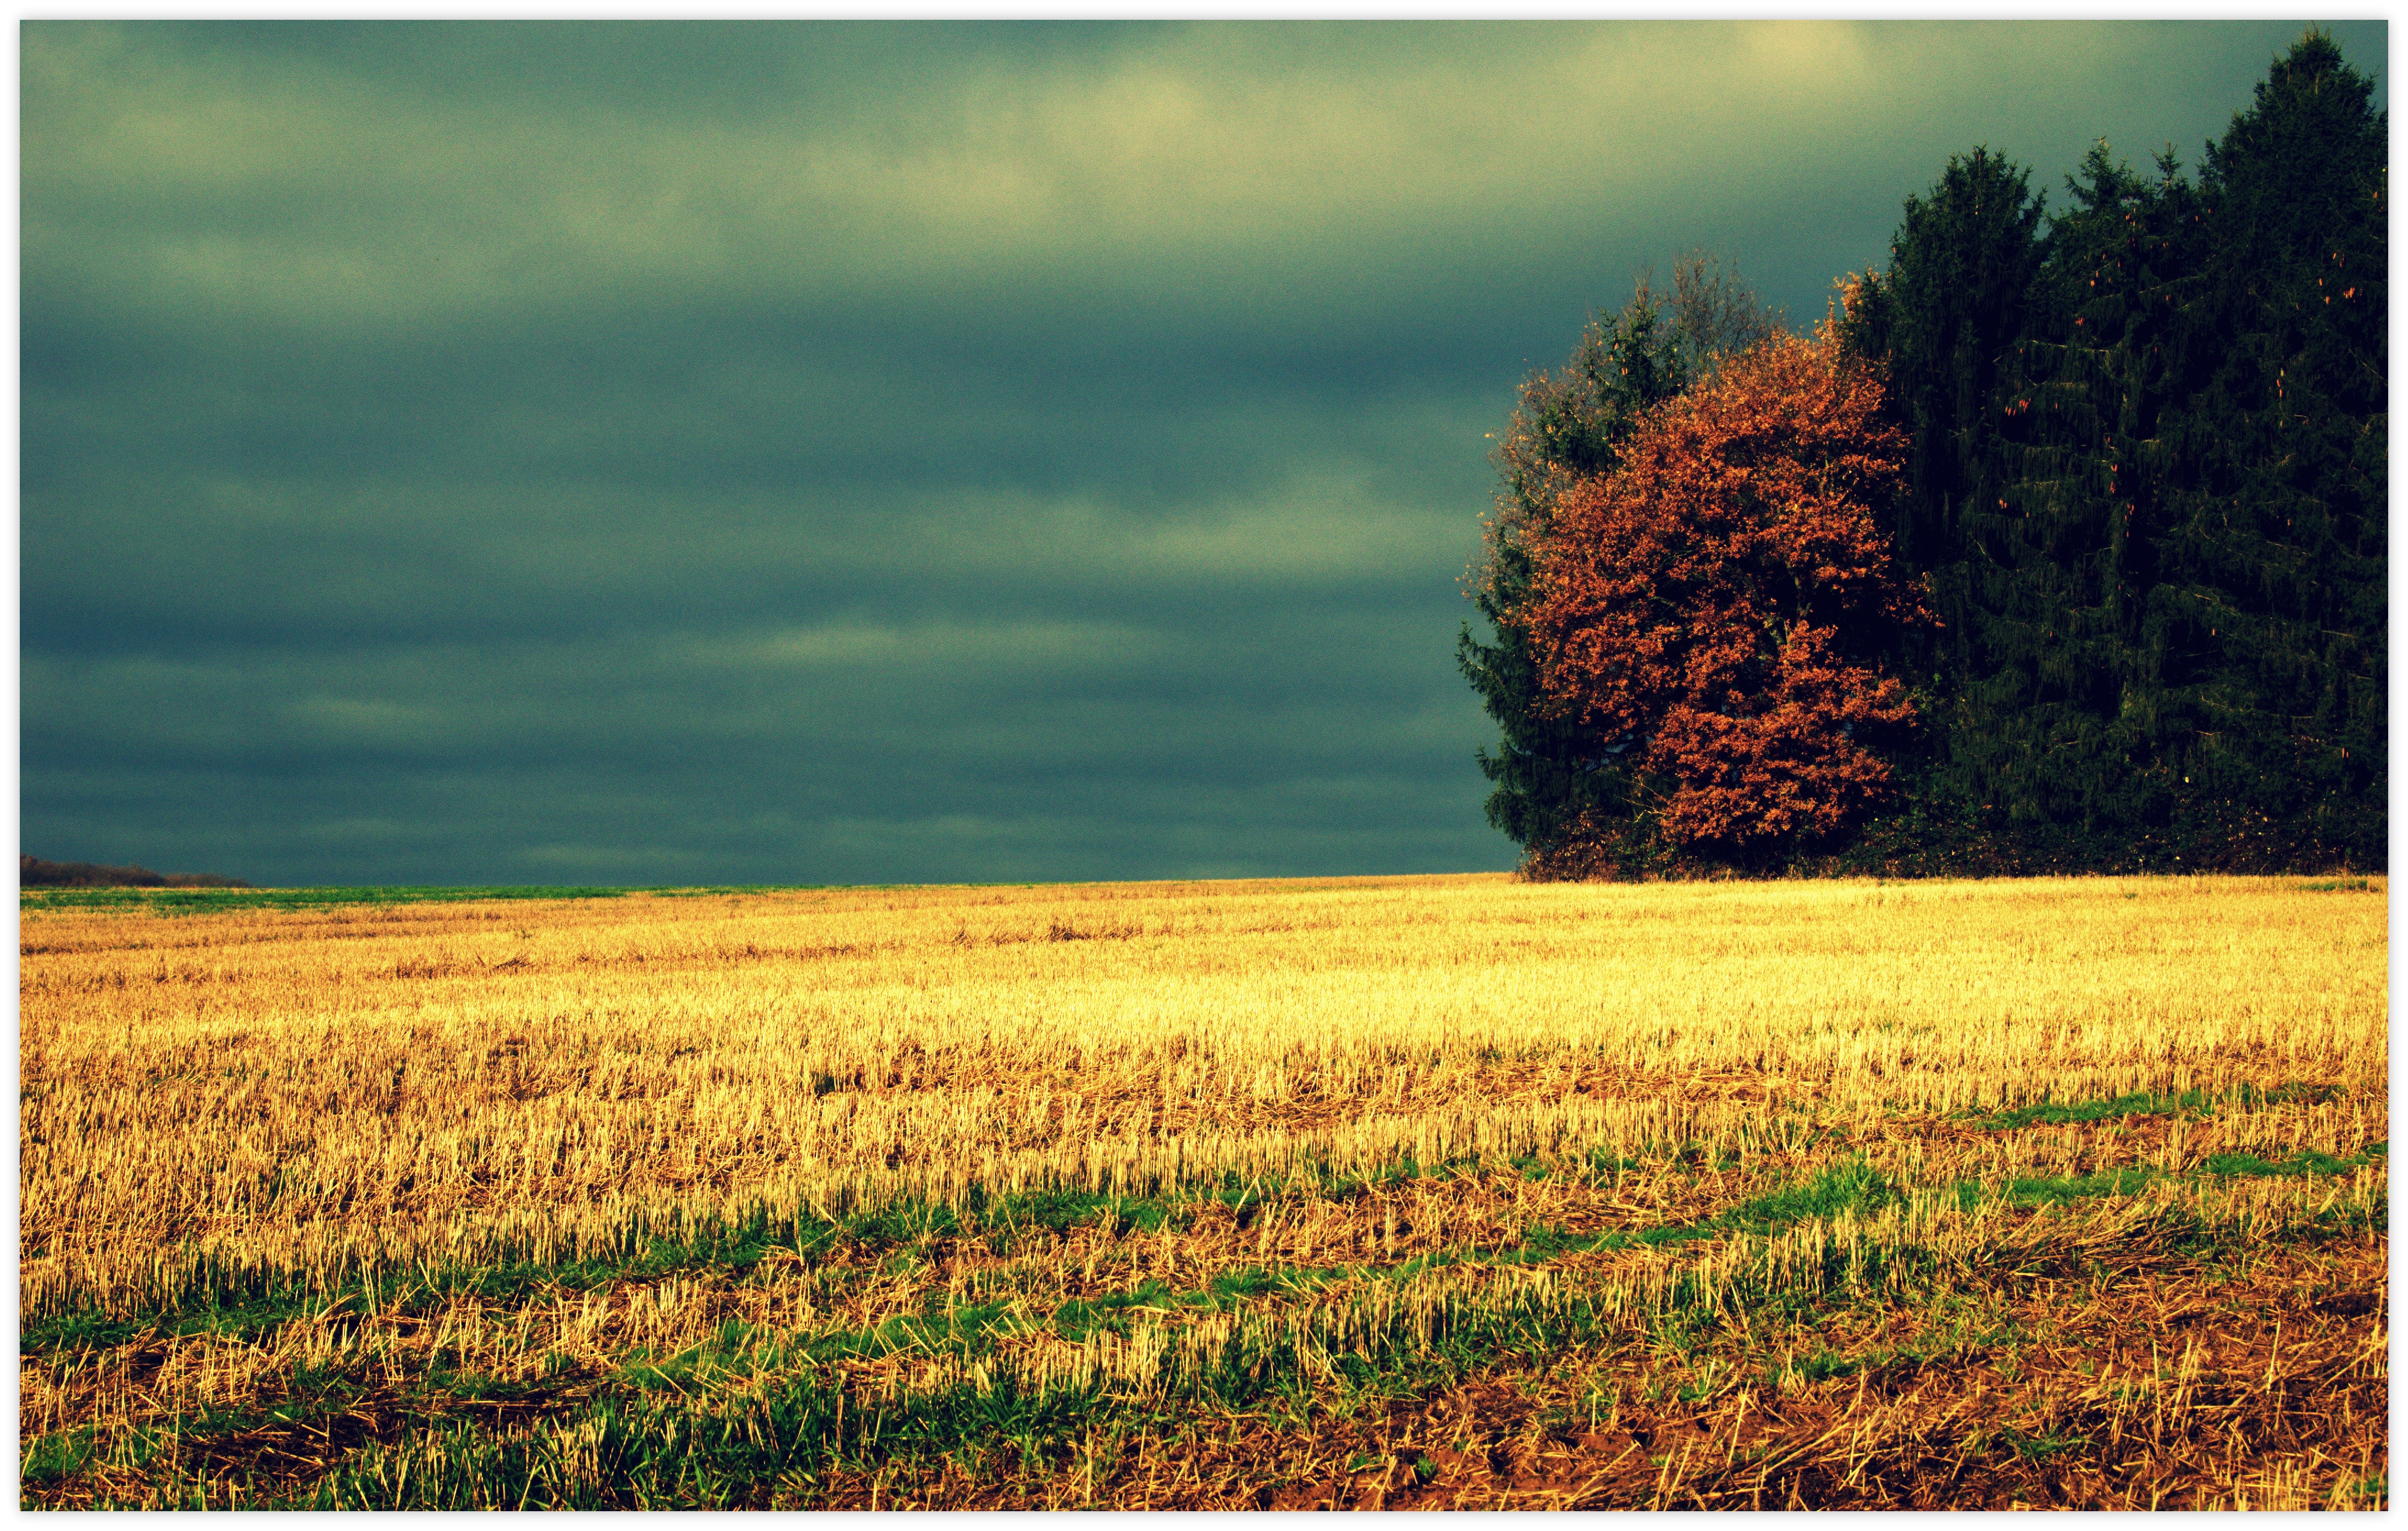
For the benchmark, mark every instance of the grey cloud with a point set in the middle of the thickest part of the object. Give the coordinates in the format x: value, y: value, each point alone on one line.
x: 663, y: 454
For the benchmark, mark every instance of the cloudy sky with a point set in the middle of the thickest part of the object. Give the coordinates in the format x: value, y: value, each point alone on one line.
x: 808, y: 453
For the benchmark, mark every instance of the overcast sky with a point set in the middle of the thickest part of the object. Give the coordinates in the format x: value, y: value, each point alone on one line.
x: 808, y: 453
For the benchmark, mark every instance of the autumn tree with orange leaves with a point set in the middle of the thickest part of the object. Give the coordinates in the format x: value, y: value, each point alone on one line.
x: 1710, y: 608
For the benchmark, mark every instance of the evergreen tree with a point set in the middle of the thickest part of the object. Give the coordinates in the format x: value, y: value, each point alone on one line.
x: 2269, y: 626
x: 1942, y: 320
x: 2184, y: 634
x: 2053, y: 723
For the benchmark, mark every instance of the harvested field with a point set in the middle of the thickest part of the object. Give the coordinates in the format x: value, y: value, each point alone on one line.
x: 1379, y: 1193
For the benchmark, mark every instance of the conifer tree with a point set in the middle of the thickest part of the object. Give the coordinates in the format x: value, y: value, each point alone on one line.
x: 2051, y: 723
x: 2184, y: 634
x: 1942, y: 320
x: 2269, y: 624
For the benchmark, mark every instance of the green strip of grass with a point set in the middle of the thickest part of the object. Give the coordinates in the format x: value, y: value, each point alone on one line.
x: 214, y: 900
x: 2194, y: 1103
x: 249, y: 1303
x: 660, y: 1446
x: 211, y: 900
x: 60, y: 1455
x: 241, y: 1301
x: 753, y: 1439
x: 657, y: 1449
x: 246, y: 1302
x: 2307, y: 1161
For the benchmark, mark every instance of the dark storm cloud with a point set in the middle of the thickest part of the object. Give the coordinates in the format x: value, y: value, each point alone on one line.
x: 865, y: 453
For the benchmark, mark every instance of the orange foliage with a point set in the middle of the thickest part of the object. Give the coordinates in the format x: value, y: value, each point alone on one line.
x: 1709, y: 604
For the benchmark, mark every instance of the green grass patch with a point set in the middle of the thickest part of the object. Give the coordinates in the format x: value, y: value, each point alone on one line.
x: 1080, y: 1317
x: 50, y: 1459
x: 211, y: 900
x: 171, y: 901
x: 2039, y: 1448
x: 2049, y: 1113
x: 1823, y: 1366
x: 2307, y: 1161
x: 2055, y: 1190
x: 662, y: 1445
x: 738, y: 889
x: 2192, y: 1103
x: 1850, y: 1184
x: 654, y: 1446
x: 247, y: 1303
x: 677, y: 1431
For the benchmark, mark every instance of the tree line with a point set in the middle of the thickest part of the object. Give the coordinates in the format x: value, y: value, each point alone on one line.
x: 33, y: 872
x: 2058, y: 545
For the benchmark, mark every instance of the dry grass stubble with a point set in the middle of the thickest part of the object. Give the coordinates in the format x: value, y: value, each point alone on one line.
x: 319, y: 1095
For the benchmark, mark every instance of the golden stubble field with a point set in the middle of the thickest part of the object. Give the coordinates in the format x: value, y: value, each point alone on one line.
x: 858, y: 1147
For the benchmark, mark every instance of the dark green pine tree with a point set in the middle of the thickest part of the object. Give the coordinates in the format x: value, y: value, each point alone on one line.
x: 1560, y: 791
x: 1944, y: 318
x: 2269, y: 623
x: 2180, y: 613
x: 2055, y: 723
x: 1945, y: 322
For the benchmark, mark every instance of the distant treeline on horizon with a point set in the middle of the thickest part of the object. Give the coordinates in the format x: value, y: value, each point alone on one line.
x: 33, y: 872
